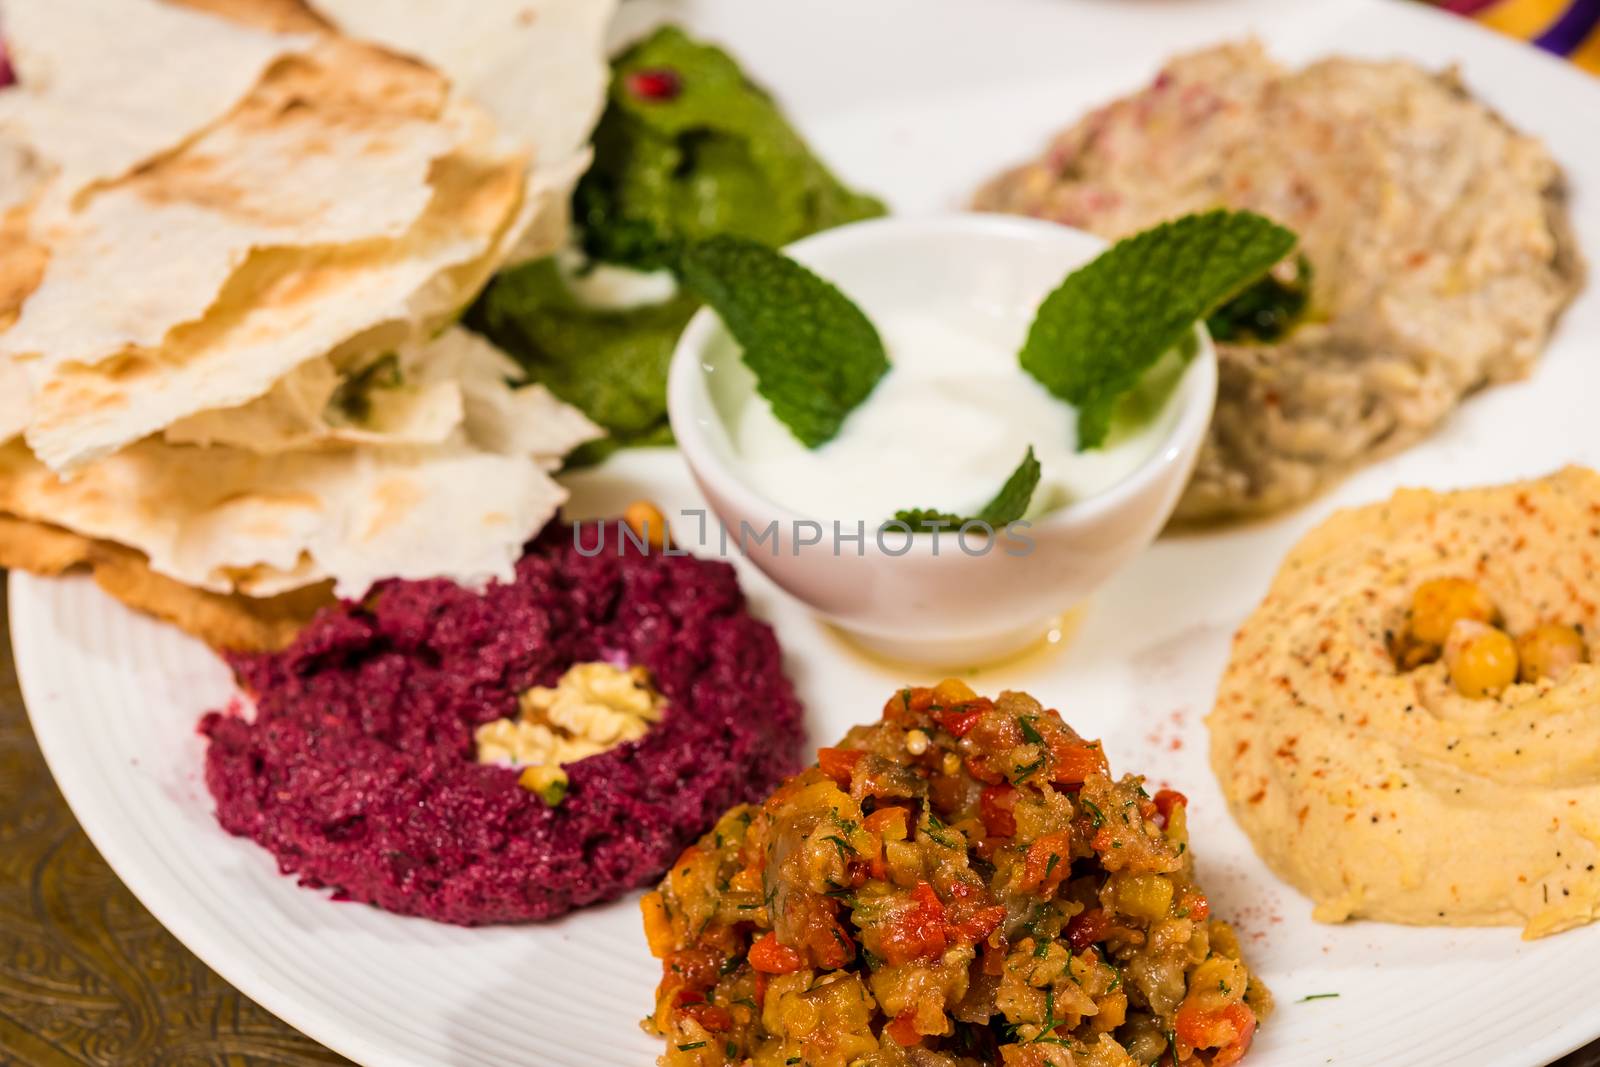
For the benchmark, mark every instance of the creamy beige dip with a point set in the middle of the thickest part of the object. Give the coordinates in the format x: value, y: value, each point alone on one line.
x: 1437, y: 236
x: 1386, y: 794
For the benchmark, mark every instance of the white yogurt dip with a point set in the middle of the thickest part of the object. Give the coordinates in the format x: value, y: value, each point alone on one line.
x: 944, y: 429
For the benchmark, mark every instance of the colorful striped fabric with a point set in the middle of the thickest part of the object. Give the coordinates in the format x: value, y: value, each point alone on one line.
x: 1569, y: 28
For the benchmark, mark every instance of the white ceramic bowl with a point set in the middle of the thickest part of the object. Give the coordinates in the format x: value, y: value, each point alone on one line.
x: 910, y: 598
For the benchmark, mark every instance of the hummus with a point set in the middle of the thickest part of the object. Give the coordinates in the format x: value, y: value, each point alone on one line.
x: 1436, y: 234
x: 1386, y: 793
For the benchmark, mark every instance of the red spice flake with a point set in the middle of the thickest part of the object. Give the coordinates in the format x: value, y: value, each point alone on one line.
x: 839, y: 763
x: 658, y: 84
x: 1241, y: 748
x: 1258, y: 796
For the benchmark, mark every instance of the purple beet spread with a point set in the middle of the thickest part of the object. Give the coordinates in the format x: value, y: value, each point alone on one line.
x: 358, y: 770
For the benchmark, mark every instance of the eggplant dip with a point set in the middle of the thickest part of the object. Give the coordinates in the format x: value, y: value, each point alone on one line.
x: 1435, y: 252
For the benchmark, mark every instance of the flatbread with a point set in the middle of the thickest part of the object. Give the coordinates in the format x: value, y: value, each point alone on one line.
x: 203, y: 516
x: 228, y: 623
x: 40, y: 548
x: 106, y: 84
x: 524, y: 421
x: 315, y: 406
x: 278, y: 16
x: 456, y: 382
x: 317, y: 155
x: 538, y: 66
x: 22, y: 264
x: 232, y: 520
x: 287, y: 306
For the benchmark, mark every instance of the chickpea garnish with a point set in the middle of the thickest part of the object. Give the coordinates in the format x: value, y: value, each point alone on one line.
x: 1482, y: 659
x: 1439, y: 604
x: 646, y: 520
x: 1550, y: 650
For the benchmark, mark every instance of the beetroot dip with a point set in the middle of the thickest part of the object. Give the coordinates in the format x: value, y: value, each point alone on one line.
x: 358, y: 769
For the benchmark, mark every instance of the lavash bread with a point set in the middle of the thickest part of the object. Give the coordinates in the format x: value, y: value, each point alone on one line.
x: 228, y: 379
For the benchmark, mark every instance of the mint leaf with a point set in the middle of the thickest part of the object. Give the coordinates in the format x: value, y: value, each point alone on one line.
x: 1265, y: 310
x: 920, y: 519
x: 1011, y: 502
x: 814, y: 354
x: 1008, y: 505
x: 1111, y: 320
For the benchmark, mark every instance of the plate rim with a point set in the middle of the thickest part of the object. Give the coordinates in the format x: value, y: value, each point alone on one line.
x: 28, y: 593
x: 301, y: 1014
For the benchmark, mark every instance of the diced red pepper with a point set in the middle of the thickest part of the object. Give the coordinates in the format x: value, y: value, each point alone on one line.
x: 827, y: 943
x: 1088, y: 928
x: 1048, y: 861
x: 1198, y: 907
x: 918, y: 931
x: 907, y: 704
x: 713, y: 1018
x: 695, y: 968
x: 839, y: 763
x: 995, y: 806
x: 890, y: 822
x: 991, y: 960
x: 1165, y: 801
x: 959, y: 719
x: 1072, y: 762
x: 1228, y: 1029
x: 976, y: 926
x: 770, y: 956
x: 903, y: 1029
x: 984, y: 769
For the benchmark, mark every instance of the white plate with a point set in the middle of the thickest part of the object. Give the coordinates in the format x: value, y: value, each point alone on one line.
x: 919, y: 99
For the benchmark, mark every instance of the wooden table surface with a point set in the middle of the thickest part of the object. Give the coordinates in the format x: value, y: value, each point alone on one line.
x: 88, y: 977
